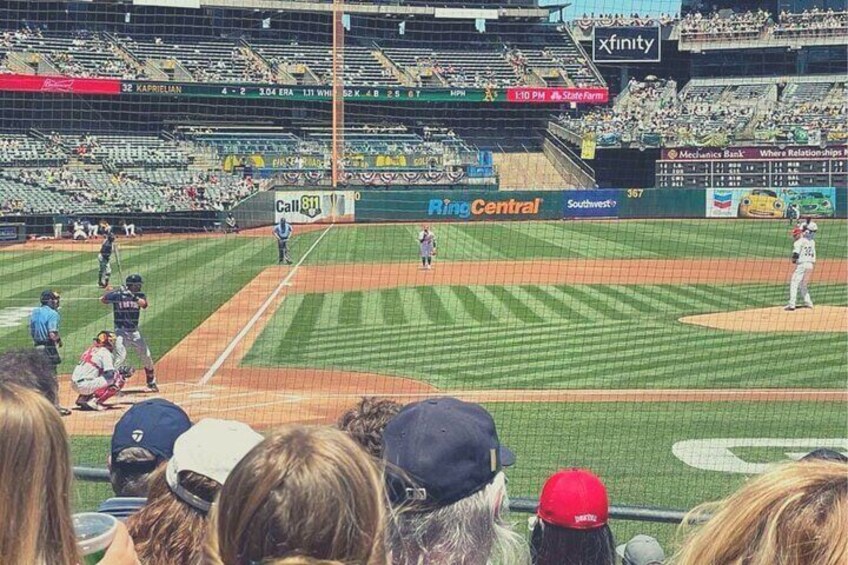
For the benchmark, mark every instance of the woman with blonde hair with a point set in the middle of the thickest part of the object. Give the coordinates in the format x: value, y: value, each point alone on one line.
x: 796, y: 514
x: 35, y: 486
x: 305, y: 495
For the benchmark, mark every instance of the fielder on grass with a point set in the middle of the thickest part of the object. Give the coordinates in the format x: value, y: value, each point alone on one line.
x: 427, y: 246
x: 804, y: 258
x: 127, y: 303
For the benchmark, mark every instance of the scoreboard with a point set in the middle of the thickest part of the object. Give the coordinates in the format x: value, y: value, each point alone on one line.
x: 752, y: 167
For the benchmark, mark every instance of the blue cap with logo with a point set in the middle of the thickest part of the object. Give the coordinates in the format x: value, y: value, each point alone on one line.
x: 154, y: 425
x: 440, y: 451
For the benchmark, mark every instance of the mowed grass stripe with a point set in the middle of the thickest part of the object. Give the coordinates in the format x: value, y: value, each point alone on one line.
x: 350, y: 311
x: 557, y: 306
x: 432, y: 306
x: 391, y: 307
x: 470, y: 338
x: 514, y: 306
x: 732, y: 365
x: 473, y: 306
x: 295, y: 340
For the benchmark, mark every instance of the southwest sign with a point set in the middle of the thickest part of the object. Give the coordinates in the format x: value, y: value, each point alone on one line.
x: 626, y: 44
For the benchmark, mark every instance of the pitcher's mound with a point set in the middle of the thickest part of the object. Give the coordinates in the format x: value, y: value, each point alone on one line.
x: 819, y: 319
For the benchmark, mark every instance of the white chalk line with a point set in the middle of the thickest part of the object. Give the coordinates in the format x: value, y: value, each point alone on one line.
x: 252, y: 322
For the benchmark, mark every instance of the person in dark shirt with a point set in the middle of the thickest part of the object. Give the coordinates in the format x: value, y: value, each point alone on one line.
x: 127, y: 303
x: 104, y: 259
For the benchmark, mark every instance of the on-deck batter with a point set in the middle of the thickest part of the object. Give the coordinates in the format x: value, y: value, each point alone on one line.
x: 127, y: 303
x: 804, y: 257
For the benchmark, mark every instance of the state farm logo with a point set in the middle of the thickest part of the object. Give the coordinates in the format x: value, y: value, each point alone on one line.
x: 58, y: 85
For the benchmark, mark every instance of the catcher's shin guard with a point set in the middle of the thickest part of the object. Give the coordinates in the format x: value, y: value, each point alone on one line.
x: 151, y: 380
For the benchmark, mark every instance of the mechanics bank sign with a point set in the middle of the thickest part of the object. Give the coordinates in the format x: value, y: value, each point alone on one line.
x: 590, y: 203
x: 626, y: 44
x: 484, y: 208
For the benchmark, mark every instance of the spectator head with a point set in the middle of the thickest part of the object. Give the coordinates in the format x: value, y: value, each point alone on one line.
x: 171, y: 527
x: 32, y: 369
x: 824, y: 454
x: 446, y: 483
x: 641, y: 550
x: 366, y: 421
x: 303, y: 494
x: 143, y: 438
x: 572, y: 521
x: 795, y: 514
x: 35, y: 480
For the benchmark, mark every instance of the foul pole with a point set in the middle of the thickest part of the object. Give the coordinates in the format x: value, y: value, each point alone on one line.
x: 338, y: 91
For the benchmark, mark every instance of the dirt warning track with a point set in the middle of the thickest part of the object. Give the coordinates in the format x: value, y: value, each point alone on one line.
x: 266, y: 397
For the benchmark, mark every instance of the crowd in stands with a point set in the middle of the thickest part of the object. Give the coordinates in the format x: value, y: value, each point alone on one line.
x: 87, y: 54
x: 423, y: 483
x: 812, y: 23
x: 710, y: 114
x: 89, y: 173
x: 588, y: 21
x: 719, y: 25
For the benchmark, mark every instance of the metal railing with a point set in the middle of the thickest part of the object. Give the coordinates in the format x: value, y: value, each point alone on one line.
x: 526, y: 505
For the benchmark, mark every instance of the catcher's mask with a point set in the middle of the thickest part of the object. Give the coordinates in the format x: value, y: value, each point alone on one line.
x: 105, y: 339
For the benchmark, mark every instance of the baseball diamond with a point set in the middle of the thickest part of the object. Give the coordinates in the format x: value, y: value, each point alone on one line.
x: 572, y: 333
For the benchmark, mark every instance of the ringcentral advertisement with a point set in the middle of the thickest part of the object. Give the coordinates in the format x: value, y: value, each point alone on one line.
x: 626, y: 44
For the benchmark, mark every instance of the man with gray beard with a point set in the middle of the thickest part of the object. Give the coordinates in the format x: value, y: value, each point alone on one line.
x: 444, y: 472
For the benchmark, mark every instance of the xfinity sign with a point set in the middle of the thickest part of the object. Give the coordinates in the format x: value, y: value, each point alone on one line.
x: 626, y: 44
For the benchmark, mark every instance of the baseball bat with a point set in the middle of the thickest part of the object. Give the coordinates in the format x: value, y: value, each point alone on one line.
x: 118, y: 261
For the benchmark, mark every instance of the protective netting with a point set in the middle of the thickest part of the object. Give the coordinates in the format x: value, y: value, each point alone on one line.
x: 608, y: 324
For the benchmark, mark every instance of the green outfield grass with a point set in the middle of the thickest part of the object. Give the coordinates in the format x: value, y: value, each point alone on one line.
x: 633, y: 239
x: 576, y: 336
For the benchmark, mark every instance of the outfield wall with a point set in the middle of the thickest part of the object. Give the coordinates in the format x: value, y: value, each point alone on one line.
x: 631, y: 203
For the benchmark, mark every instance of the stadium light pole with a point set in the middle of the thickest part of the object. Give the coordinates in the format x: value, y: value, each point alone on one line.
x: 338, y: 91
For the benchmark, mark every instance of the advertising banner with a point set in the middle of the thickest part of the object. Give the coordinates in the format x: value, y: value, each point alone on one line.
x: 58, y: 84
x: 629, y: 44
x: 661, y: 203
x: 314, y: 207
x: 458, y: 205
x: 541, y: 95
x: 767, y: 203
x: 754, y: 153
x: 588, y: 146
x: 591, y: 203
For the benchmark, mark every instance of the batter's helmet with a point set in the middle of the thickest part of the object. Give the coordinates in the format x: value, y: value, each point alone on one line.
x: 49, y: 296
x: 135, y: 278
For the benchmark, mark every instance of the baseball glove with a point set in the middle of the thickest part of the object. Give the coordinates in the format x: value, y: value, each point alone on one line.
x: 126, y: 371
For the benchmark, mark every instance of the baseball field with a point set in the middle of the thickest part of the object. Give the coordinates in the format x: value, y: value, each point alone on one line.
x: 654, y: 352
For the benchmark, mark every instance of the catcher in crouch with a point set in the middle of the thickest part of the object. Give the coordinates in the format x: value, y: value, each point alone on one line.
x: 95, y: 378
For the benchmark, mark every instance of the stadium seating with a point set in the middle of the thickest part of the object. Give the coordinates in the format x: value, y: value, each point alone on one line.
x: 206, y: 61
x: 478, y: 66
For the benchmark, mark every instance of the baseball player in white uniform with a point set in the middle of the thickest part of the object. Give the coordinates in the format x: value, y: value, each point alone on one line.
x: 427, y: 244
x: 804, y: 257
x: 95, y: 377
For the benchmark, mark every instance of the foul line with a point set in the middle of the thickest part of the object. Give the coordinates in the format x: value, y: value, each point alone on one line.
x: 252, y: 322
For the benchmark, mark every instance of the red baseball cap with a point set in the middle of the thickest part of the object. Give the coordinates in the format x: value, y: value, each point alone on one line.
x: 574, y: 499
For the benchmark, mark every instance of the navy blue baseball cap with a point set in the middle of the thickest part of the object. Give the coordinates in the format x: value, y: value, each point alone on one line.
x: 154, y: 425
x: 440, y: 451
